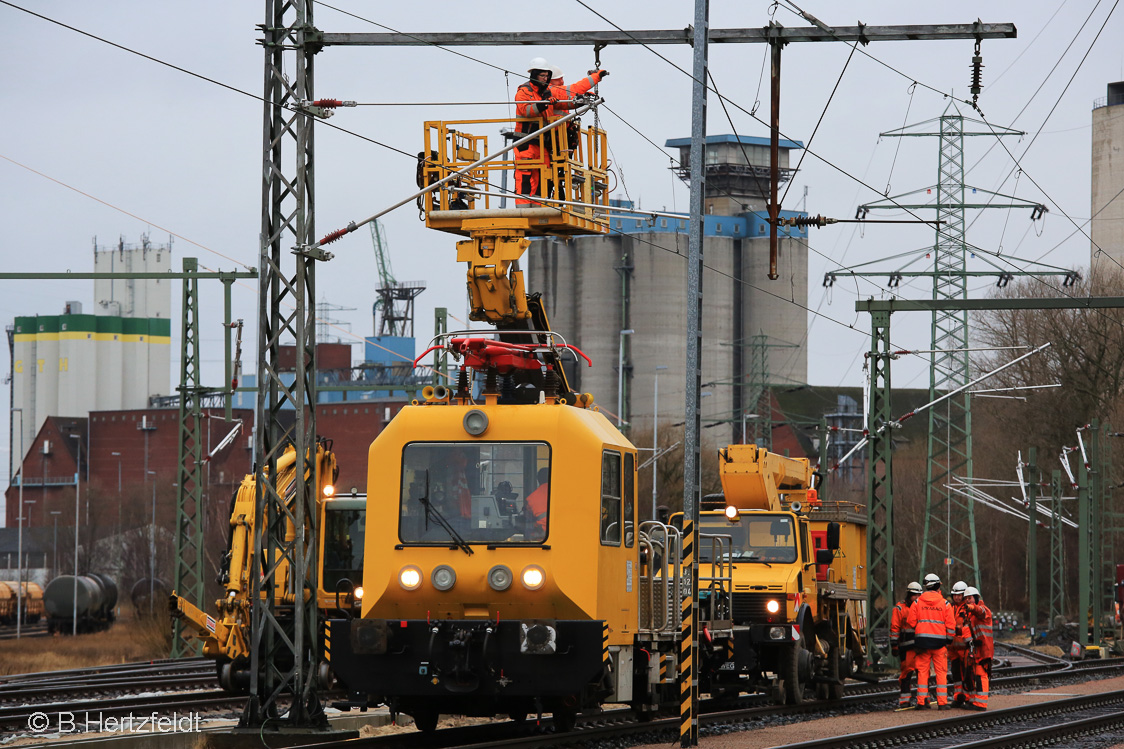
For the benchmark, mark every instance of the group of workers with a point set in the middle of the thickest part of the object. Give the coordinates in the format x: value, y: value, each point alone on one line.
x: 928, y: 631
x: 538, y: 101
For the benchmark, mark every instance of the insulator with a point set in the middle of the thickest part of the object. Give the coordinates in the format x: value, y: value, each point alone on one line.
x: 507, y: 389
x: 977, y: 75
x: 550, y: 384
x: 491, y: 381
x: 802, y: 221
x: 462, y: 383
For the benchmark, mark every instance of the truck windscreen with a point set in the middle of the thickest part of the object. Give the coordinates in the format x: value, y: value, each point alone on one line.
x: 755, y: 538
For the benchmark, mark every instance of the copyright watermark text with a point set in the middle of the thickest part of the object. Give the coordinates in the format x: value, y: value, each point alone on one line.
x: 96, y: 722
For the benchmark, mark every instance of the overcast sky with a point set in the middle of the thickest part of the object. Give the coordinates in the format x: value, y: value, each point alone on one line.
x: 165, y: 151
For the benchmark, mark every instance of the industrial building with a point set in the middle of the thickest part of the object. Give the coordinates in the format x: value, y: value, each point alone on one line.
x: 1107, y: 229
x: 115, y: 358
x: 621, y: 298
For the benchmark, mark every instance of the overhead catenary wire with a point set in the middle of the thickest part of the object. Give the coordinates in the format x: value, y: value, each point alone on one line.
x: 808, y: 150
x: 328, y: 124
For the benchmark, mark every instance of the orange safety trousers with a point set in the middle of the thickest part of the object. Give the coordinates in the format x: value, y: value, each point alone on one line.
x: 938, y: 659
x: 976, y: 683
x: 908, y: 667
x: 961, y: 667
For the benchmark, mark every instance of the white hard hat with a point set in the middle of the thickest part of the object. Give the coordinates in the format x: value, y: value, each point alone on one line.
x: 972, y: 592
x: 914, y: 587
x: 540, y: 63
x: 959, y: 587
x: 932, y: 582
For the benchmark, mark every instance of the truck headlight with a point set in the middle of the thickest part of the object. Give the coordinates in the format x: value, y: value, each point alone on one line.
x: 410, y: 577
x: 358, y: 593
x: 443, y: 577
x: 500, y: 577
x: 773, y: 606
x: 533, y: 577
x: 778, y: 633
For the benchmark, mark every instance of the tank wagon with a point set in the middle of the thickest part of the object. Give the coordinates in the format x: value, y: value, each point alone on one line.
x: 149, y: 596
x: 96, y: 603
x: 32, y: 605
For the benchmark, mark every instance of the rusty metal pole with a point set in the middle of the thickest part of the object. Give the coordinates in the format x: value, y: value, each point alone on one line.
x: 775, y: 43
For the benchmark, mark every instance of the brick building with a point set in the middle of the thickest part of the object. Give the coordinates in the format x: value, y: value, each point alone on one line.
x: 127, y: 455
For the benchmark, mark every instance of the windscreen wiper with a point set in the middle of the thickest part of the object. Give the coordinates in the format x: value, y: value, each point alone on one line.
x: 440, y: 519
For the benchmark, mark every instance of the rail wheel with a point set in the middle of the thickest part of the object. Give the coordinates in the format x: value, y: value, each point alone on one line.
x: 795, y: 671
x: 837, y: 672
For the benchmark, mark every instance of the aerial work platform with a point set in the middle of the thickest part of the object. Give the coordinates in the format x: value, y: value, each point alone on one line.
x: 573, y: 168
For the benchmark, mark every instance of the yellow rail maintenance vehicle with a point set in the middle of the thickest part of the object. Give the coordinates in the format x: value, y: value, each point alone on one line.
x: 798, y: 578
x: 505, y: 571
x: 225, y: 635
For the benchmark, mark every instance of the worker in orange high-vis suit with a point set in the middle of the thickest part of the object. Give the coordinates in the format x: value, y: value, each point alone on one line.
x: 930, y: 616
x: 977, y: 675
x: 536, y: 98
x: 901, y: 641
x: 958, y: 648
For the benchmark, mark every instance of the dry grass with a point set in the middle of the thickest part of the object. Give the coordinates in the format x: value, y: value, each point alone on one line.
x: 129, y: 639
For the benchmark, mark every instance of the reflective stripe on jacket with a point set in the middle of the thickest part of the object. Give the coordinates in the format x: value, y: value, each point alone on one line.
x: 979, y: 619
x: 901, y: 634
x: 530, y: 101
x: 932, y: 621
x: 563, y: 92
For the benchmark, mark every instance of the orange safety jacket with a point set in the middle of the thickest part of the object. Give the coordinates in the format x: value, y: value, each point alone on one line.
x: 563, y: 92
x: 932, y: 621
x: 901, y: 634
x: 531, y: 100
x: 979, y: 620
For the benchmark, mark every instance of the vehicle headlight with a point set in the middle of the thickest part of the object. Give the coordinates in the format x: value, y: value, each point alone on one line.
x: 358, y: 593
x: 475, y: 422
x: 778, y: 633
x: 731, y: 513
x: 500, y: 577
x: 773, y: 606
x: 443, y: 577
x: 410, y: 577
x: 533, y: 577
x: 329, y: 490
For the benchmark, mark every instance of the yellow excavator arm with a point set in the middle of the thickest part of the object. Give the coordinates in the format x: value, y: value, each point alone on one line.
x: 755, y: 479
x: 226, y: 634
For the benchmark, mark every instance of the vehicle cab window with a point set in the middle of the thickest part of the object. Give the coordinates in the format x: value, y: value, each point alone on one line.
x: 629, y: 500
x: 611, y: 499
x: 474, y: 493
x: 344, y: 527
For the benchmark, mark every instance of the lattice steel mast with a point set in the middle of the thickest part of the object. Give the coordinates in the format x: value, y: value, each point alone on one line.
x: 950, y: 528
x: 284, y: 651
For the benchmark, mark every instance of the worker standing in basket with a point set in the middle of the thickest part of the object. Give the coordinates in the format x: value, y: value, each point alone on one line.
x: 901, y: 641
x: 536, y: 98
x: 981, y: 651
x: 931, y: 619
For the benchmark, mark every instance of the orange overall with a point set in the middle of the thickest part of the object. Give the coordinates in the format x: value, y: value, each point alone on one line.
x: 930, y: 616
x: 977, y: 671
x: 901, y: 645
x: 533, y: 100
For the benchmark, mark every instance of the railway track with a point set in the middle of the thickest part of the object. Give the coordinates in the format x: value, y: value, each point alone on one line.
x: 622, y: 725
x: 39, y: 629
x: 100, y: 691
x: 1040, y: 724
x: 53, y: 686
x: 49, y: 717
